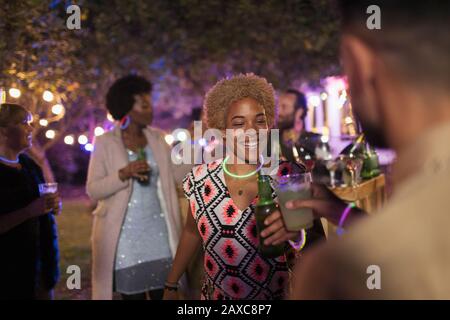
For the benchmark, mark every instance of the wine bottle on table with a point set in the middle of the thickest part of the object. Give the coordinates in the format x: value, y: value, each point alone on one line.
x: 361, y: 149
x: 371, y: 166
x: 264, y: 207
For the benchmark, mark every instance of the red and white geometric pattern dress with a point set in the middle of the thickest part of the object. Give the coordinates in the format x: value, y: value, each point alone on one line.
x: 234, y: 269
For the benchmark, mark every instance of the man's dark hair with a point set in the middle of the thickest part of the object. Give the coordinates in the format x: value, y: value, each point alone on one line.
x: 300, y: 101
x: 413, y: 38
x: 120, y: 96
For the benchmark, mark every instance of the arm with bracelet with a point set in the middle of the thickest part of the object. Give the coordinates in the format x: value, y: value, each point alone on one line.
x: 325, y: 204
x: 189, y: 242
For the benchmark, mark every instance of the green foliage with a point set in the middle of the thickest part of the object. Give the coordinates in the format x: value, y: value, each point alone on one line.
x: 197, y: 42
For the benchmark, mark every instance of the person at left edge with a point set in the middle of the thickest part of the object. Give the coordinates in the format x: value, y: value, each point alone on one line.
x: 28, y: 235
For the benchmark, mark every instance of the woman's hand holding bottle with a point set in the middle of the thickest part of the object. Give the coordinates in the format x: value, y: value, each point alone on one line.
x: 136, y: 169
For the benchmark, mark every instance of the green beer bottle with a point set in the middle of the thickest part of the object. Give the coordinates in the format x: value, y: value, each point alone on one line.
x: 142, y: 155
x: 264, y: 207
x: 371, y: 166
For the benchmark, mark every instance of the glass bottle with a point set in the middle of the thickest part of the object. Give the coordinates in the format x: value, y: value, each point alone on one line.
x: 142, y: 155
x: 264, y: 207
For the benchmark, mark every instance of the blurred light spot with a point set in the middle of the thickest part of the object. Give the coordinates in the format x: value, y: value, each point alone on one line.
x: 50, y: 134
x: 69, y: 140
x: 169, y: 139
x: 58, y: 109
x: 48, y: 96
x: 181, y: 136
x: 89, y: 147
x: 82, y: 139
x: 14, y: 93
x: 99, y: 131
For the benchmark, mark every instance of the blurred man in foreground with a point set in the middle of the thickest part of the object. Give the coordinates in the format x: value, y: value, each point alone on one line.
x: 399, y: 80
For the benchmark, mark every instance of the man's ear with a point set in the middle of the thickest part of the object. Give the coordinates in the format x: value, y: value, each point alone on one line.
x: 358, y: 61
x: 298, y: 115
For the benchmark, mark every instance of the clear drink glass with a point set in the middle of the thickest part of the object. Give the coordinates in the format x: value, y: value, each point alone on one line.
x: 293, y: 187
x: 47, y: 188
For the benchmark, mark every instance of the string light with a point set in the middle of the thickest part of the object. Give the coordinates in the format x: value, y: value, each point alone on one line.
x: 169, y: 139
x: 89, y: 147
x: 57, y: 109
x: 68, y: 140
x: 109, y: 117
x: 14, y: 93
x: 48, y: 96
x: 181, y: 136
x: 43, y: 122
x: 50, y: 134
x: 99, y: 131
x: 82, y: 139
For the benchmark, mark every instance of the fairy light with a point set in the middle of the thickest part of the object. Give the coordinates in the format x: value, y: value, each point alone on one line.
x: 169, y: 139
x: 50, y: 134
x: 110, y: 117
x: 99, y: 131
x: 89, y: 147
x: 14, y: 93
x: 181, y: 136
x: 58, y: 109
x: 82, y: 139
x: 69, y: 140
x: 48, y: 96
x: 43, y: 122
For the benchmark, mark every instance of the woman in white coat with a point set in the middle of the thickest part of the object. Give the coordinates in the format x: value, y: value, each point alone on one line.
x: 137, y: 223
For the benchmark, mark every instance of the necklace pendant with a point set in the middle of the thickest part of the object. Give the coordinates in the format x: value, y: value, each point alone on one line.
x: 240, y: 192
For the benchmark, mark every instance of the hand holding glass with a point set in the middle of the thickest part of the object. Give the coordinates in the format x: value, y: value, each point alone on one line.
x: 293, y: 187
x: 49, y: 191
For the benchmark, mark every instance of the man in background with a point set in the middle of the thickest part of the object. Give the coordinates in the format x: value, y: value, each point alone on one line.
x: 292, y: 112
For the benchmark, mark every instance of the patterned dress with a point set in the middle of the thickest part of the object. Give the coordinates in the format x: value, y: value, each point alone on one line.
x: 234, y: 269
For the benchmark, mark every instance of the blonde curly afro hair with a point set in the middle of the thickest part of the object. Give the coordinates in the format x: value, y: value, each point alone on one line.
x: 229, y: 90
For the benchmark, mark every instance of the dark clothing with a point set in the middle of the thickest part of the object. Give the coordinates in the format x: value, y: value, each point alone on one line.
x: 29, y: 251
